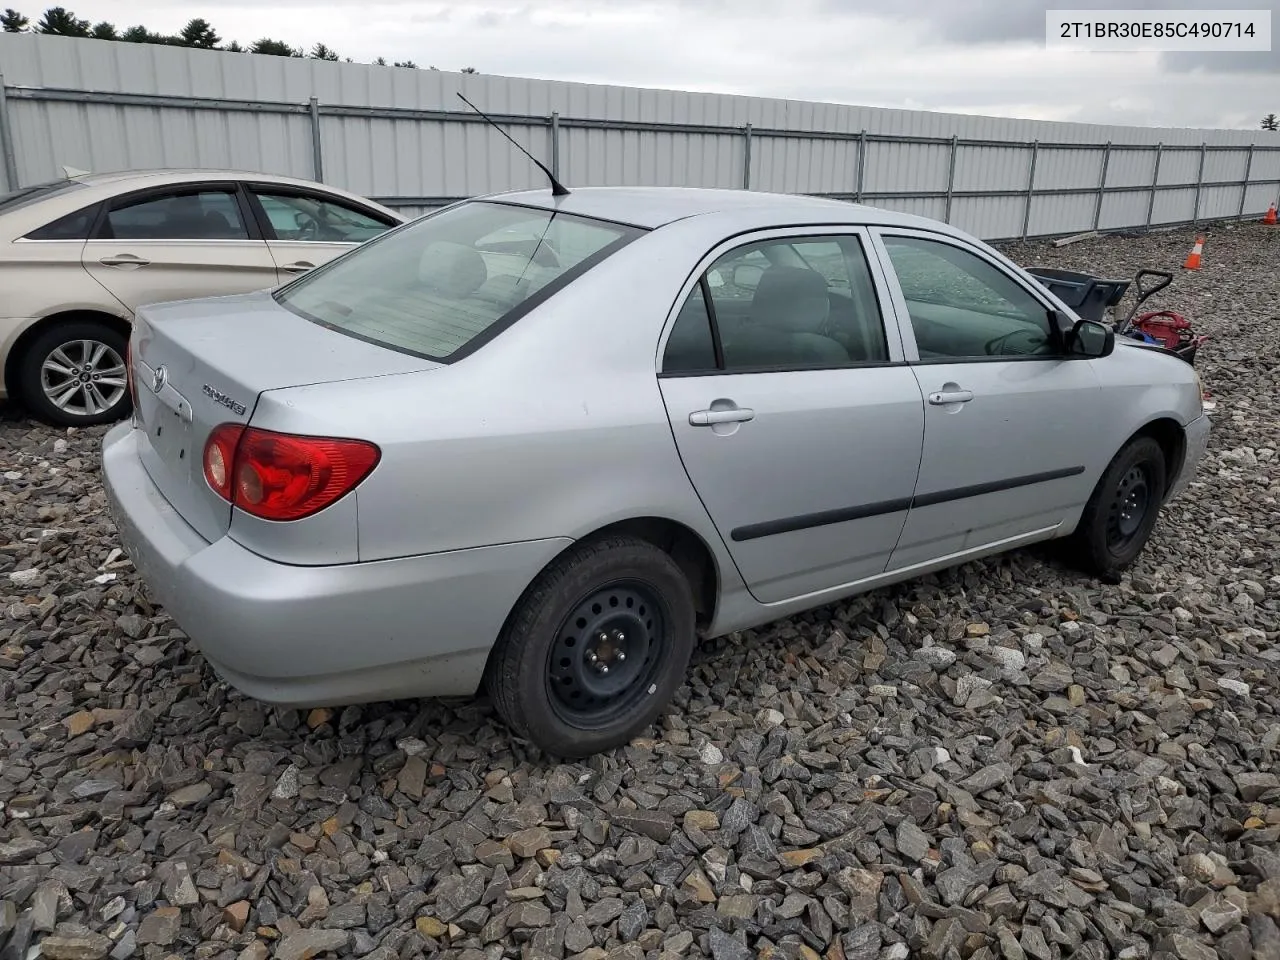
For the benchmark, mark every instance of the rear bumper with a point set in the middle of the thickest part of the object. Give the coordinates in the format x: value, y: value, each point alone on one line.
x: 303, y: 636
x: 1197, y: 438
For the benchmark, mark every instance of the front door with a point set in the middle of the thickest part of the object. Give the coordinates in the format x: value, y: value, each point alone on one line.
x: 1010, y: 421
x: 795, y: 418
x: 306, y: 229
x: 178, y: 243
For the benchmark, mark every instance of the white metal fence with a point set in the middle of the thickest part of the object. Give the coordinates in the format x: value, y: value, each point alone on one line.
x: 402, y: 137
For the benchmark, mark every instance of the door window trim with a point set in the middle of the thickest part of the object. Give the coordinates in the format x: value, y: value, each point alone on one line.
x: 234, y: 187
x: 254, y: 202
x: 799, y: 233
x: 907, y: 331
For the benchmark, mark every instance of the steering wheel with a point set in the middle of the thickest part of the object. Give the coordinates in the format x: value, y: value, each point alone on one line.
x: 995, y: 346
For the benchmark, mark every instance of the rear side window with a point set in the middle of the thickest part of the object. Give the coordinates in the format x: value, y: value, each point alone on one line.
x: 206, y: 215
x: 450, y: 281
x: 301, y: 217
x: 74, y: 226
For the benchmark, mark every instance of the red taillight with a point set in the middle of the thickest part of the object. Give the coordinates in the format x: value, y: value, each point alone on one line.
x: 280, y: 476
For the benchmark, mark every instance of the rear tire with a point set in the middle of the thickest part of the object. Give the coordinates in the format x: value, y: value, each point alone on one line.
x: 73, y: 374
x: 595, y: 649
x: 1122, y: 512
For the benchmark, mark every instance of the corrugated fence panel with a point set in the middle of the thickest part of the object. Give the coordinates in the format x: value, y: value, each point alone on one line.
x: 77, y: 102
x: 1051, y: 214
x: 1173, y: 206
x: 992, y: 168
x: 1067, y: 169
x: 1130, y: 168
x: 1219, y: 202
x: 988, y: 216
x: 791, y: 165
x: 1224, y: 165
x: 1179, y: 166
x: 906, y: 167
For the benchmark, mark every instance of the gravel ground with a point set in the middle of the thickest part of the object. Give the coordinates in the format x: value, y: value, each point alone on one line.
x: 1004, y: 760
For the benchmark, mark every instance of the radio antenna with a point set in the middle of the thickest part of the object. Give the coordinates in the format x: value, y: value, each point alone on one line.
x: 557, y: 188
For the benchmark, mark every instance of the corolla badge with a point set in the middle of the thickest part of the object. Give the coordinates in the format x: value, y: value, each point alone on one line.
x: 217, y: 396
x: 159, y: 378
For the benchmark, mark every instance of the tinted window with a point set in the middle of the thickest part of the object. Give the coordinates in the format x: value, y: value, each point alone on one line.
x: 321, y: 220
x: 961, y: 306
x: 797, y: 303
x: 74, y: 226
x: 206, y: 215
x: 441, y: 282
x: 690, y: 347
x: 35, y: 193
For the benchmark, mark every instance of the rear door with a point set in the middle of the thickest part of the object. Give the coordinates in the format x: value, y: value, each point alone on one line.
x: 177, y: 243
x: 1010, y: 420
x: 797, y: 421
x: 307, y: 228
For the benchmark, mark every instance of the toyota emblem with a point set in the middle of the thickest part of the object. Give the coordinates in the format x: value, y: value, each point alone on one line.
x: 159, y: 378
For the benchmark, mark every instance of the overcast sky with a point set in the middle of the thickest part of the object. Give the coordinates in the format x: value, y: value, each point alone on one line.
x: 967, y: 56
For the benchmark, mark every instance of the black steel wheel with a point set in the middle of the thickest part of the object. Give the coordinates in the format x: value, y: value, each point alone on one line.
x: 606, y: 653
x: 595, y: 648
x: 1122, y: 512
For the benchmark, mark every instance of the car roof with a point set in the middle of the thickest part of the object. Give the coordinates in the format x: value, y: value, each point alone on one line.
x: 653, y: 207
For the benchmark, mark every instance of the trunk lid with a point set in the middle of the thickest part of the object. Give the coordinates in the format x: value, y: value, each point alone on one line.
x: 201, y: 363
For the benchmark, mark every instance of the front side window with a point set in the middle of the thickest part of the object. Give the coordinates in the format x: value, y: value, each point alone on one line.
x: 303, y: 217
x: 203, y: 215
x: 962, y: 307
x: 433, y: 287
x: 790, y: 304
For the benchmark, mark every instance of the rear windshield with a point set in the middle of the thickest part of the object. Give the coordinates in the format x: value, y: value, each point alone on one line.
x: 455, y: 278
x: 25, y: 195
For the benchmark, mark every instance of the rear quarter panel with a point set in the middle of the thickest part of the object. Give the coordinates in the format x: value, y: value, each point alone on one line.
x: 554, y: 429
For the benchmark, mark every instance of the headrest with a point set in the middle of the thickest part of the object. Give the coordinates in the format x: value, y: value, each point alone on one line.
x: 452, y: 270
x: 791, y: 298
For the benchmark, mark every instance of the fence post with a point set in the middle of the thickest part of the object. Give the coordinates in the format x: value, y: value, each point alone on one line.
x: 1102, y: 184
x: 1031, y: 182
x: 862, y: 164
x: 1195, y: 213
x: 746, y: 157
x: 951, y: 179
x: 555, y: 144
x: 1244, y: 190
x: 317, y: 148
x: 1155, y: 183
x: 6, y: 142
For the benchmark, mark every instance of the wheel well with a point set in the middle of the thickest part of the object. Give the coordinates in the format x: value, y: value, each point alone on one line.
x: 19, y: 348
x: 1173, y: 443
x: 686, y: 548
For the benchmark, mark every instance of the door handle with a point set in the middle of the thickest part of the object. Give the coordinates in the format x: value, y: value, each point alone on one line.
x: 944, y: 397
x: 300, y: 267
x: 123, y: 260
x: 708, y: 418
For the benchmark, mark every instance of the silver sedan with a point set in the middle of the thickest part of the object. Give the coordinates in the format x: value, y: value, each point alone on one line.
x: 541, y: 444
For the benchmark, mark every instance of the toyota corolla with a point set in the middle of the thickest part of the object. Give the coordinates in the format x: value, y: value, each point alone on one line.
x: 539, y: 444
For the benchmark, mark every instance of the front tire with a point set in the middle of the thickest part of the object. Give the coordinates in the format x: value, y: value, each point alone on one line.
x: 595, y: 649
x: 1122, y: 512
x: 73, y: 374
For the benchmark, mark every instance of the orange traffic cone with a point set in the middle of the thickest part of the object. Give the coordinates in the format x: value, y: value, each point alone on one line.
x: 1193, y: 259
x: 1270, y: 218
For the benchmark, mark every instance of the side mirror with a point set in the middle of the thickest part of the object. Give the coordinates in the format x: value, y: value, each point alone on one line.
x: 1089, y: 338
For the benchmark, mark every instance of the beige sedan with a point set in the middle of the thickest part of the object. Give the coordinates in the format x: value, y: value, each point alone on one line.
x: 78, y: 256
